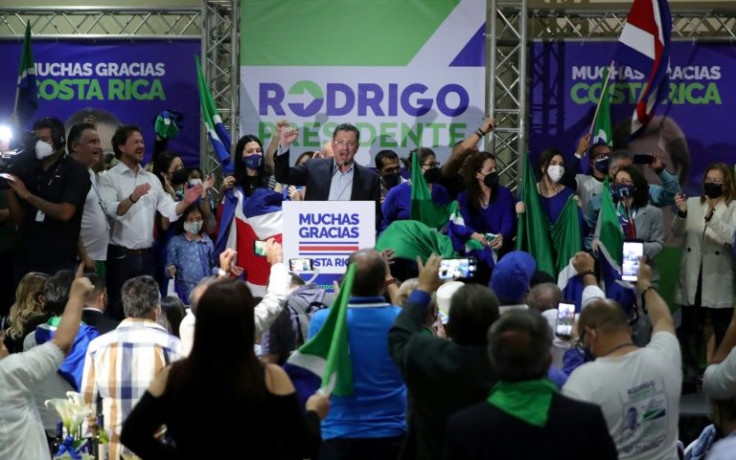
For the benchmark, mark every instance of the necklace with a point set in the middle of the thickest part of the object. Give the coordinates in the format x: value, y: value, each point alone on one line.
x: 617, y: 347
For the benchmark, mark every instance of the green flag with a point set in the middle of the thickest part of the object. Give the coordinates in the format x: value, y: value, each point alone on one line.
x: 608, y: 230
x: 409, y: 239
x: 423, y: 209
x: 533, y: 231
x: 26, y: 101
x: 602, y: 132
x: 327, y: 354
x: 566, y: 235
x: 216, y: 131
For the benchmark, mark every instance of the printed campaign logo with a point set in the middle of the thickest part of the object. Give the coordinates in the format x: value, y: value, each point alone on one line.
x: 401, y: 87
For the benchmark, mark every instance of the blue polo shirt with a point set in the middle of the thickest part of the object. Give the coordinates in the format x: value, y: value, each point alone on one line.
x: 377, y: 408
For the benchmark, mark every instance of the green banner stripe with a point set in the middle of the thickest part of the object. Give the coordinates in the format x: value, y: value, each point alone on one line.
x: 337, y: 32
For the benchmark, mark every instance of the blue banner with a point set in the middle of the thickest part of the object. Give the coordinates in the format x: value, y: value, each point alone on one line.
x: 117, y: 82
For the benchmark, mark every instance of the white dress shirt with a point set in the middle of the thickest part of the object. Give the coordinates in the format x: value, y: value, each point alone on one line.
x: 134, y: 229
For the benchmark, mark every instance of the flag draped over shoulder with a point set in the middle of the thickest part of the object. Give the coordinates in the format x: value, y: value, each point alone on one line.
x: 644, y: 45
x: 532, y: 233
x: 216, y: 130
x: 409, y: 239
x: 327, y: 354
x: 26, y: 101
x: 552, y: 245
x: 244, y: 220
x: 423, y: 209
x: 602, y: 130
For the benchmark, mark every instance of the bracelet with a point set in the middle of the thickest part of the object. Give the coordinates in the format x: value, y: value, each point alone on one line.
x: 221, y: 272
x: 391, y: 281
x: 589, y: 272
x: 130, y: 197
x: 648, y: 288
x: 480, y: 133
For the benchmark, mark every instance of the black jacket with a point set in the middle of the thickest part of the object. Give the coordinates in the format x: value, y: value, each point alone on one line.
x: 98, y: 319
x: 574, y: 430
x: 442, y: 378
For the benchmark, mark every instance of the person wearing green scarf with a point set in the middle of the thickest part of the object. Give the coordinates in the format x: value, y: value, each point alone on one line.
x: 525, y: 417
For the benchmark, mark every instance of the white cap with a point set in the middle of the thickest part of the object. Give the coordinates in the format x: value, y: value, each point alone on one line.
x: 445, y: 293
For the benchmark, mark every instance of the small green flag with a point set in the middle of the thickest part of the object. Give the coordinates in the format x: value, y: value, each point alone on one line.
x: 327, y: 354
x: 423, y: 209
x: 602, y: 131
x: 566, y: 236
x: 608, y: 229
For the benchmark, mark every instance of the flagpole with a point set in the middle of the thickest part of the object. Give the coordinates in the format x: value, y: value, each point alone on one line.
x: 600, y: 99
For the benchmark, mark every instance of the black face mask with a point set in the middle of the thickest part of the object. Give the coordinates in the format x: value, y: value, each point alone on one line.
x: 713, y: 190
x: 180, y: 176
x: 491, y: 179
x: 391, y: 180
x: 432, y: 175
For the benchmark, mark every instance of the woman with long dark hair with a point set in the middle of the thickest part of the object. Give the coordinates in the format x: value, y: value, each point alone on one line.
x: 222, y: 401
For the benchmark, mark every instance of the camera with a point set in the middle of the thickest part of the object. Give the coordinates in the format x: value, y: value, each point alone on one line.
x: 18, y: 158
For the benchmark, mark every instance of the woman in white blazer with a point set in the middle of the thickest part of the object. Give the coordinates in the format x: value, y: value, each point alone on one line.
x: 706, y: 284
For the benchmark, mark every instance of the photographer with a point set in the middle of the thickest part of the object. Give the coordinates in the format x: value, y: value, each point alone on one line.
x: 46, y: 201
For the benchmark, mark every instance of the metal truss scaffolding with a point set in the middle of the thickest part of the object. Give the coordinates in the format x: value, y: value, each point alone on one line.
x: 221, y: 66
x: 91, y: 23
x: 506, y: 80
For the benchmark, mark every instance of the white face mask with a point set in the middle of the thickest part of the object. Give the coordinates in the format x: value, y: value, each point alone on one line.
x: 193, y: 227
x: 194, y: 182
x: 43, y: 149
x: 555, y: 172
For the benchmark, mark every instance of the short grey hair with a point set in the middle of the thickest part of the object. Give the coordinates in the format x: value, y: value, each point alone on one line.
x: 140, y: 297
x: 540, y: 290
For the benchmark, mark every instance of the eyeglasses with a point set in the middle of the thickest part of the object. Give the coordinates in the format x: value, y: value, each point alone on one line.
x: 350, y: 144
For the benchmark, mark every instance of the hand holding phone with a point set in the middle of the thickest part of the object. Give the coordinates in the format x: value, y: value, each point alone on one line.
x: 565, y: 320
x: 632, y: 254
x: 302, y: 264
x: 643, y: 159
x: 457, y: 268
x: 259, y: 248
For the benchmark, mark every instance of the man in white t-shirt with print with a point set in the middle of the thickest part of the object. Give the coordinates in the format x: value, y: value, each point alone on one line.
x: 638, y: 389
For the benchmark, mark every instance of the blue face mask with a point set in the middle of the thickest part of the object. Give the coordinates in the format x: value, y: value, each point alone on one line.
x: 253, y: 161
x: 602, y: 164
x: 621, y: 191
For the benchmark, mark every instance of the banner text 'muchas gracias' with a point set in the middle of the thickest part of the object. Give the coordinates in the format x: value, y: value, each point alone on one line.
x: 696, y: 85
x: 110, y: 81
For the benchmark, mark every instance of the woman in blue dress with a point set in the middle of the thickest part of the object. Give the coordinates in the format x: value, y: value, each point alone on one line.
x: 397, y: 205
x: 189, y: 253
x: 552, y: 194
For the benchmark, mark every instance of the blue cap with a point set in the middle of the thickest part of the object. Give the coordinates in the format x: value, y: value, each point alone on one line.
x: 512, y: 275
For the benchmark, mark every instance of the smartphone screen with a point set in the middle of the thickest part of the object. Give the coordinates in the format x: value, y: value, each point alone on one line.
x: 643, y: 159
x: 259, y: 248
x: 565, y: 319
x: 633, y: 251
x: 301, y: 265
x: 457, y: 268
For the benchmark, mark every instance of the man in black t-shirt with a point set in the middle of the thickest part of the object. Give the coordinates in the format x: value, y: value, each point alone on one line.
x: 46, y: 201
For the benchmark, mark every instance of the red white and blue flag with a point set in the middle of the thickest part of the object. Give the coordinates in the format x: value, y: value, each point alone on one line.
x: 644, y: 45
x: 245, y: 220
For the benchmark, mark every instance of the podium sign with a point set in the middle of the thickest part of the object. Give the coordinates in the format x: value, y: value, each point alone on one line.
x: 327, y: 232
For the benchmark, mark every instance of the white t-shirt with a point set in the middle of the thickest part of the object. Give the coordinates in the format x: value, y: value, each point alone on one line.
x: 95, y: 230
x: 639, y: 394
x: 21, y: 431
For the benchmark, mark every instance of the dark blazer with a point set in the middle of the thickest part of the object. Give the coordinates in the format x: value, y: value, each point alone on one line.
x: 316, y: 175
x: 574, y: 430
x: 98, y: 319
x: 442, y: 377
